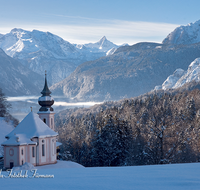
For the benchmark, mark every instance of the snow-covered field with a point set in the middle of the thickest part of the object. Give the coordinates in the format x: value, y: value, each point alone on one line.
x: 161, y: 177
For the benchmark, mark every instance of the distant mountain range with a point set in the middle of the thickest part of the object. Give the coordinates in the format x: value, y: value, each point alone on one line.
x: 132, y: 70
x: 102, y: 70
x: 40, y: 51
x: 129, y: 72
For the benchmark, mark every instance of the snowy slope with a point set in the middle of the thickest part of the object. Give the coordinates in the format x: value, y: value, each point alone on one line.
x: 155, y: 177
x: 193, y: 73
x: 189, y: 34
x: 181, y: 77
x: 16, y: 79
x: 5, y: 128
x: 171, y: 80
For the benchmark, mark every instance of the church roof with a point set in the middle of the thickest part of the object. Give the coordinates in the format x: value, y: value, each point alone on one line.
x: 19, y: 139
x: 32, y: 126
x: 46, y: 91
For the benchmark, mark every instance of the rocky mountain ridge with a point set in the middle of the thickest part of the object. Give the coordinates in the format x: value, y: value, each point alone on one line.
x: 188, y: 34
x: 41, y: 51
x: 130, y: 71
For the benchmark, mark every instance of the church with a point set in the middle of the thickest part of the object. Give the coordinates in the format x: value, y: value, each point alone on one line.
x: 34, y: 139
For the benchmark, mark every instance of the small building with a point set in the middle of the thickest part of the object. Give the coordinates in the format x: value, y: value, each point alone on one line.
x: 34, y: 139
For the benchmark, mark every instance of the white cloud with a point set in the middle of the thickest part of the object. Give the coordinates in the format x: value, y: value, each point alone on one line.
x: 91, y: 30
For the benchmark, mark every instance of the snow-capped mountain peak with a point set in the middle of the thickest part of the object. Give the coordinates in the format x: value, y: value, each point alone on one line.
x: 181, y: 77
x: 188, y: 34
x: 41, y: 51
x: 102, y: 45
x: 102, y: 41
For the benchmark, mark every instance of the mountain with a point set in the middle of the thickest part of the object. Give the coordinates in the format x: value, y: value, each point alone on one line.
x: 181, y: 77
x: 171, y: 80
x: 103, y: 45
x: 129, y: 72
x: 16, y: 79
x: 1, y: 35
x: 42, y: 51
x: 189, y: 34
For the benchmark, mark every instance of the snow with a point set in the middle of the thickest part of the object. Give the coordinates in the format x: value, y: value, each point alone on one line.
x: 111, y: 51
x: 58, y: 144
x: 171, y: 80
x: 58, y: 165
x: 189, y: 34
x: 26, y: 166
x: 5, y: 128
x: 165, y: 177
x: 32, y: 126
x: 193, y: 73
x: 18, y: 139
x: 103, y: 45
x: 181, y: 77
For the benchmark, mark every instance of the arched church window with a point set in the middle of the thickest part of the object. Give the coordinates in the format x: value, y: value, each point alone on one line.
x: 11, y: 152
x: 22, y: 151
x: 44, y: 120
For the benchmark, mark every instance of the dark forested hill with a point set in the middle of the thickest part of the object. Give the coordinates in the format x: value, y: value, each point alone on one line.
x: 151, y: 129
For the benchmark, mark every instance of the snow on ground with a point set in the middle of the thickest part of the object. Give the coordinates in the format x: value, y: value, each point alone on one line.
x: 59, y: 164
x: 157, y: 177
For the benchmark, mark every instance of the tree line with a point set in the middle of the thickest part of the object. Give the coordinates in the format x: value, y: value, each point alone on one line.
x: 159, y: 129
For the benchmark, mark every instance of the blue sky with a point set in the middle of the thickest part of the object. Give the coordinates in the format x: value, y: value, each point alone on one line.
x: 83, y: 21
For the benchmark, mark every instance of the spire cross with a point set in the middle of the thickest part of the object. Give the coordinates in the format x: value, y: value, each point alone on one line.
x: 31, y: 109
x: 45, y: 72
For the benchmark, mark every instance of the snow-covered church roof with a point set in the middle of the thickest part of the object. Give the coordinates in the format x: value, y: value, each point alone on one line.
x: 32, y: 126
x: 19, y: 139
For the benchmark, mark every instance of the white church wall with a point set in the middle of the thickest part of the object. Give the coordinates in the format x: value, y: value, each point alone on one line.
x: 22, y: 155
x: 32, y: 154
x: 11, y: 154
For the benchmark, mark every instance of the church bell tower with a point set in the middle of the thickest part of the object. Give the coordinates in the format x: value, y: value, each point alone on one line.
x: 46, y: 112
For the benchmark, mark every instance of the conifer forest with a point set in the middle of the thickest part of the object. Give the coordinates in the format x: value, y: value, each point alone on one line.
x: 157, y: 129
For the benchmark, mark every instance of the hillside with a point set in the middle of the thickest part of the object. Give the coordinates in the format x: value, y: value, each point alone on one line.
x: 16, y: 79
x: 129, y: 72
x: 136, y: 131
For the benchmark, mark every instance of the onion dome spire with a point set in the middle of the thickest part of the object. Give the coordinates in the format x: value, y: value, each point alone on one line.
x: 46, y: 101
x: 46, y: 91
